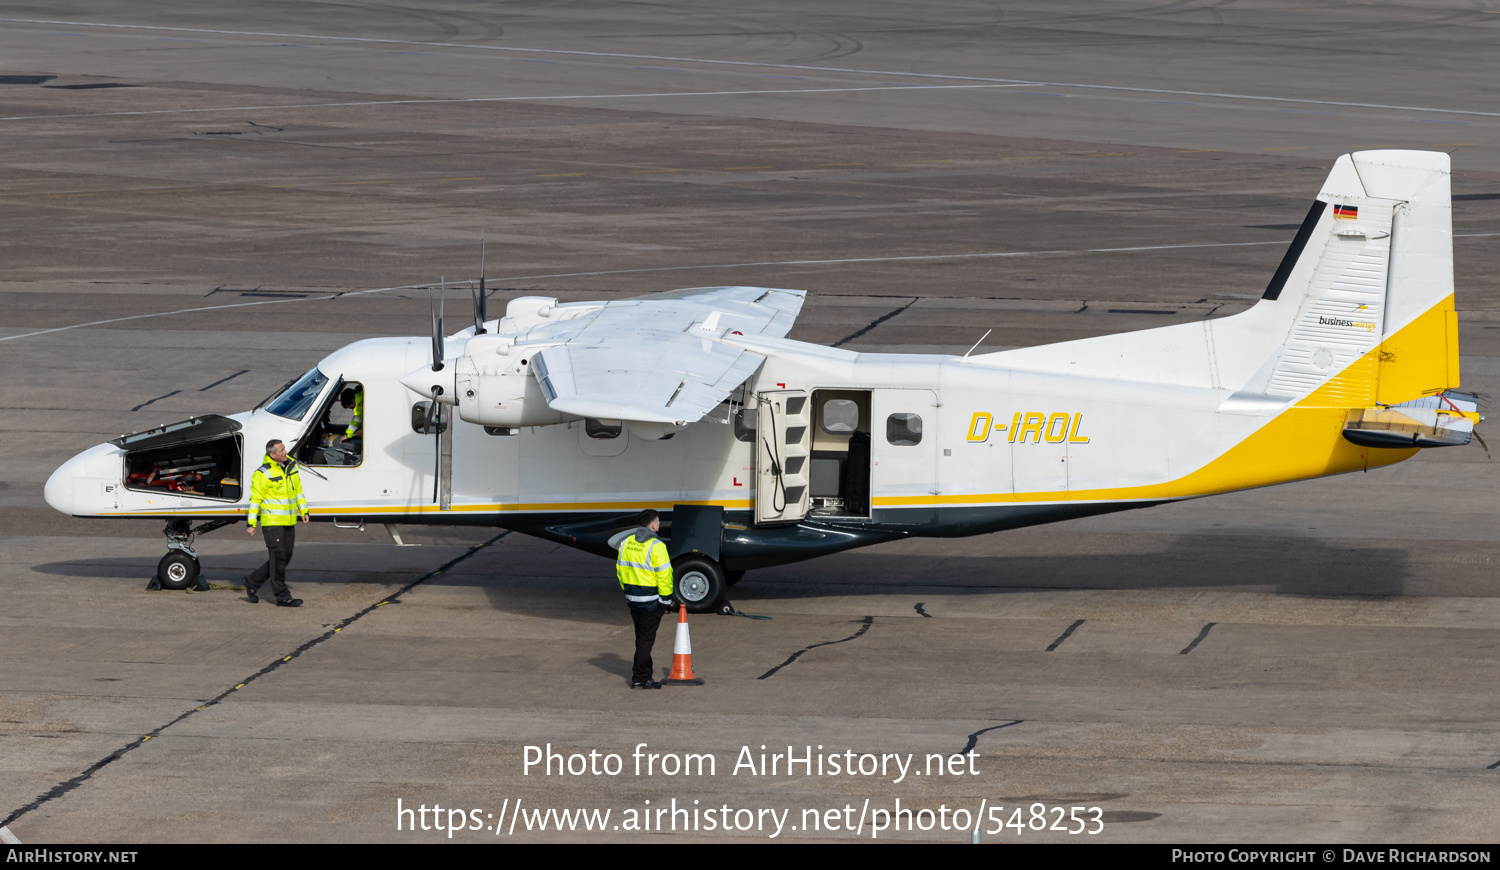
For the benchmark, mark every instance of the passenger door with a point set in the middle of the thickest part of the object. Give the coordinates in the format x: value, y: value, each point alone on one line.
x: 903, y: 447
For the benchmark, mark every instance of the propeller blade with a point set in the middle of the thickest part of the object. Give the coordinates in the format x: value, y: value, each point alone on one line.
x: 432, y: 410
x: 479, y: 304
x: 437, y: 456
x: 437, y: 332
x: 434, y: 424
x: 479, y: 309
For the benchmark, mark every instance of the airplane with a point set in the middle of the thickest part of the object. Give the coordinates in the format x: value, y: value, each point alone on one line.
x: 564, y: 420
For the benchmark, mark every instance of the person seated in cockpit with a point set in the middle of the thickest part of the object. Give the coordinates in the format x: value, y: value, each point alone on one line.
x: 354, y: 399
x: 346, y: 448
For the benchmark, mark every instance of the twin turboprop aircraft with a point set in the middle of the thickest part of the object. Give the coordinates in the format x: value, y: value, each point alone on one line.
x: 563, y: 420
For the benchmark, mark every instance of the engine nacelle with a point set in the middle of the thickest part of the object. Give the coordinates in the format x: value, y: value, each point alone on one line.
x: 494, y: 386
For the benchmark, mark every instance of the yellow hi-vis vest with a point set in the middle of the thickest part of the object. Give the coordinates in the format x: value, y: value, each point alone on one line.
x: 358, y: 422
x: 276, y: 494
x: 645, y: 572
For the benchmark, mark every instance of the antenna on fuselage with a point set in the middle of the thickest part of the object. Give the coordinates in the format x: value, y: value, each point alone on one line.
x: 978, y: 343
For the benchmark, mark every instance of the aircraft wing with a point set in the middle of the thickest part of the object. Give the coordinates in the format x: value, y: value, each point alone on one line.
x: 658, y: 358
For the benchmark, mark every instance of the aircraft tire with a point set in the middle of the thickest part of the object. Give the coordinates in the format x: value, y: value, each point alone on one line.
x: 699, y: 583
x: 176, y: 570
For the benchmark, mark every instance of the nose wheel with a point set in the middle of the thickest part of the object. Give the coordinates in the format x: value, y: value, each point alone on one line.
x: 179, y: 568
x: 176, y: 570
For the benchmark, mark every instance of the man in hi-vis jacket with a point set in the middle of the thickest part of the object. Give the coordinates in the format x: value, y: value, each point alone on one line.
x: 645, y: 573
x: 276, y: 502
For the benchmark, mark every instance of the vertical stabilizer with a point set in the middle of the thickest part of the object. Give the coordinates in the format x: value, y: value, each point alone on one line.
x: 1370, y: 274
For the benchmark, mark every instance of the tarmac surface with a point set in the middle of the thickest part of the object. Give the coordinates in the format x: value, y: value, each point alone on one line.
x: 201, y: 201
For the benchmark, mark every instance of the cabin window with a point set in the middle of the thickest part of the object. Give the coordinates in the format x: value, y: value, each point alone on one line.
x: 419, y: 420
x: 294, y: 401
x: 601, y: 429
x: 744, y: 424
x: 840, y: 416
x: 903, y: 430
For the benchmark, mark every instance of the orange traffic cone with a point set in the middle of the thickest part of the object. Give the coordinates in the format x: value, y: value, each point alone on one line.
x: 682, y: 656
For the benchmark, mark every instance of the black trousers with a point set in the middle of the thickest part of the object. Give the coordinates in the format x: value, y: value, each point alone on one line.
x: 645, y: 637
x: 279, y: 543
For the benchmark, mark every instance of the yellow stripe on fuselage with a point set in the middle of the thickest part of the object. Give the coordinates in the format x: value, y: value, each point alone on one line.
x: 1302, y: 442
x: 537, y: 507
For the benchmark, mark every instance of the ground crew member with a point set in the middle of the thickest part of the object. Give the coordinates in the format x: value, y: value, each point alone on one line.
x: 645, y: 574
x: 354, y: 398
x: 276, y: 502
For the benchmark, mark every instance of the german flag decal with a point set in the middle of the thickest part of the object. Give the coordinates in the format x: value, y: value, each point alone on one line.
x: 1346, y: 212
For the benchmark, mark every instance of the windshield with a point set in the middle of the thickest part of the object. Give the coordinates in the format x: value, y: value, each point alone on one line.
x: 296, y: 399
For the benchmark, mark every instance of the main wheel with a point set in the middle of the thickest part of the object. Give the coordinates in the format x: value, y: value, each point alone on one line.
x: 176, y: 570
x: 699, y: 582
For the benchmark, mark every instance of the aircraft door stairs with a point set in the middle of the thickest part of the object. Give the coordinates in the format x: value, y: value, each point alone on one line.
x: 783, y: 448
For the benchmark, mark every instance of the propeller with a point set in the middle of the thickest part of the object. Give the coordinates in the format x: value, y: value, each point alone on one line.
x: 437, y: 326
x: 479, y: 302
x: 433, y: 421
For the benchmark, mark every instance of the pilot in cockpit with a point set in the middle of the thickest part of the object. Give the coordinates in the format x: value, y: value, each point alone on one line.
x: 353, y: 398
x: 342, y: 444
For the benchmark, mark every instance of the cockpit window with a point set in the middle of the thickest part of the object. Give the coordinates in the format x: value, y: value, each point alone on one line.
x: 296, y: 399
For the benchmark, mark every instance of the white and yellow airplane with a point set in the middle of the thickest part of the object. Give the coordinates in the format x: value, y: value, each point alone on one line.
x: 761, y: 451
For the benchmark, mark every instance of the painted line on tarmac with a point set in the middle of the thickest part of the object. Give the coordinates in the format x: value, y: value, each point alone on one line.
x: 460, y: 100
x: 1065, y: 635
x: 1199, y: 639
x: 997, y: 254
x: 1225, y: 95
x: 868, y: 621
x: 63, y: 788
x: 974, y: 738
x: 278, y: 301
x: 8, y: 838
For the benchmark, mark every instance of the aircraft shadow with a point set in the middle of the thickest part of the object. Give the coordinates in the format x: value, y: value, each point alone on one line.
x: 584, y: 585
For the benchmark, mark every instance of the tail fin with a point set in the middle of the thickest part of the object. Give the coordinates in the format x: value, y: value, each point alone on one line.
x: 1359, y: 312
x: 1368, y: 281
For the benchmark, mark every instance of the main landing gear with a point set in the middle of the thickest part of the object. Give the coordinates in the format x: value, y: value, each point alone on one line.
x: 700, y: 582
x: 179, y: 569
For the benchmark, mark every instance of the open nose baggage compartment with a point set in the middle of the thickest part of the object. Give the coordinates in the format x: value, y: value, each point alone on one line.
x: 200, y: 457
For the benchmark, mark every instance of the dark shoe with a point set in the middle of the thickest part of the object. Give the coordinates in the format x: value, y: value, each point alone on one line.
x: 290, y: 602
x: 649, y: 684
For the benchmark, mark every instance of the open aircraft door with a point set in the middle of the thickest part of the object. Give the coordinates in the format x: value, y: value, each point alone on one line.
x: 783, y: 447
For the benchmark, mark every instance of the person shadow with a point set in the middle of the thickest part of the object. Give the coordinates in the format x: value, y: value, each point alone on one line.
x: 613, y: 663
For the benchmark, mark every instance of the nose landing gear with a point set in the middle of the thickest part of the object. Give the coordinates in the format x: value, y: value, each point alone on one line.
x: 179, y: 568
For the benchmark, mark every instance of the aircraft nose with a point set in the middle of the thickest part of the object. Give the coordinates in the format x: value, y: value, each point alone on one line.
x: 77, y: 487
x: 59, y: 489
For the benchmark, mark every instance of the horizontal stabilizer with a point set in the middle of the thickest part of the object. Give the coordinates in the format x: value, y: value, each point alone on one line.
x: 1445, y: 420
